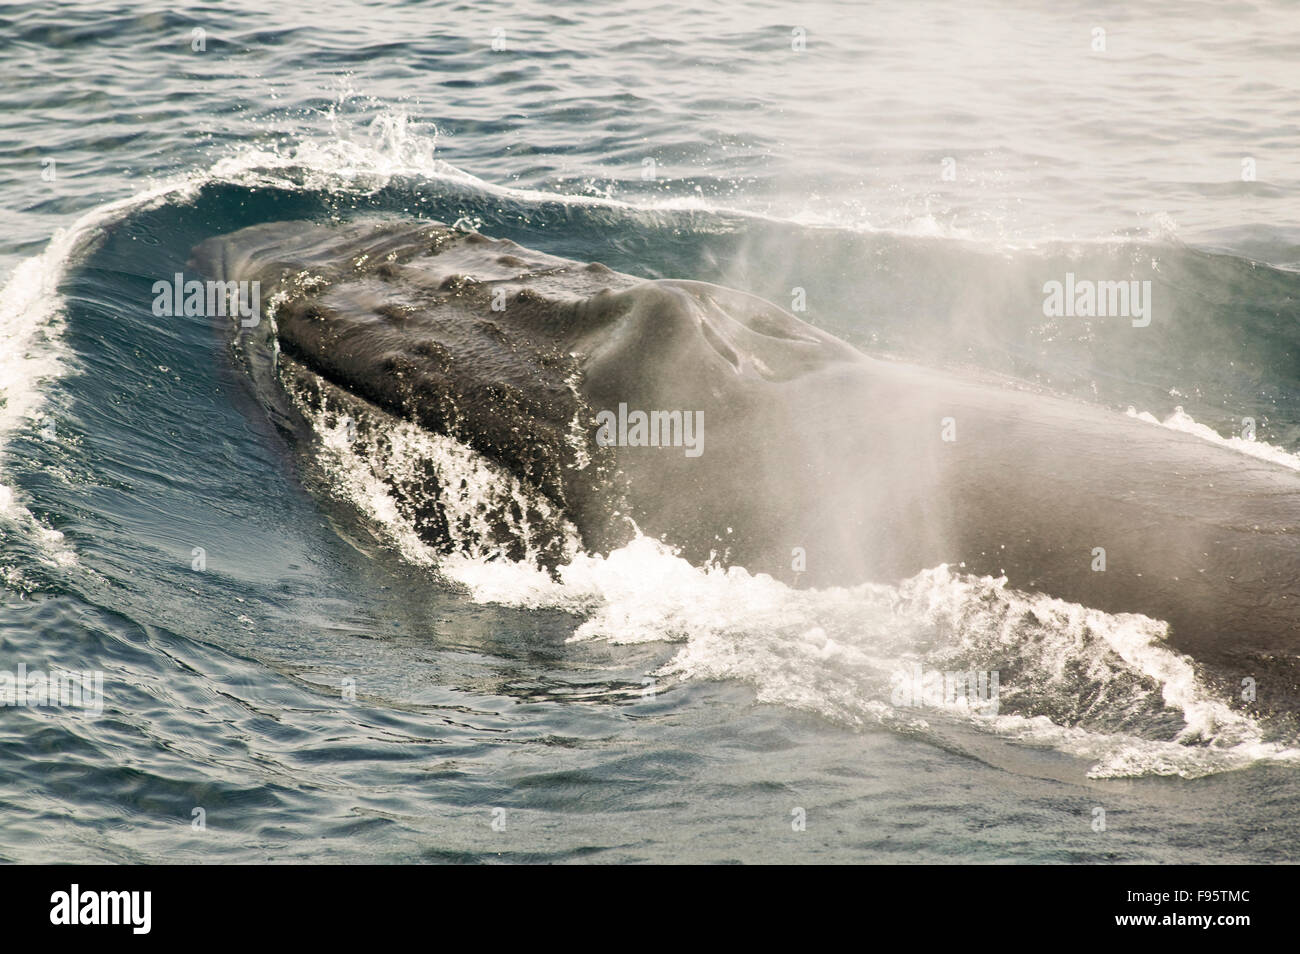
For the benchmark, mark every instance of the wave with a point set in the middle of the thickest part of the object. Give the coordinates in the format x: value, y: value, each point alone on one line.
x: 1250, y: 446
x: 366, y: 157
x: 1093, y: 685
x: 34, y: 355
x: 1096, y: 686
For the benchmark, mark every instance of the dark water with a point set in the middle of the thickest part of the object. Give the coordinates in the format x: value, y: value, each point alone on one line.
x: 320, y: 693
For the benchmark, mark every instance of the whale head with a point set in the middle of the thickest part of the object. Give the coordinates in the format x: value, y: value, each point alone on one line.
x: 529, y: 359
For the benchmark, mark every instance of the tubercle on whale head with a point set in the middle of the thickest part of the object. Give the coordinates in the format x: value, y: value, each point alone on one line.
x: 694, y: 348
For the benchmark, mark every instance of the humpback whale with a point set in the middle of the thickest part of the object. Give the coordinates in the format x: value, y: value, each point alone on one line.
x: 863, y: 468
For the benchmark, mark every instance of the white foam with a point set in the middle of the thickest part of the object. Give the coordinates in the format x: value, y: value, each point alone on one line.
x: 1108, y: 680
x: 1180, y: 420
x: 365, y: 159
x: 477, y: 496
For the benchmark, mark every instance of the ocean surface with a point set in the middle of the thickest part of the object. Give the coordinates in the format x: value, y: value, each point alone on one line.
x: 287, y: 676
